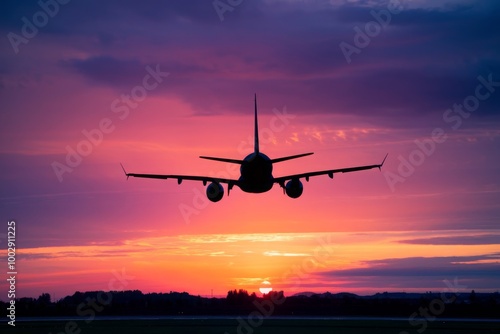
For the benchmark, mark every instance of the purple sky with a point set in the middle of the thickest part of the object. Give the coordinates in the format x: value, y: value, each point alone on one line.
x: 441, y: 200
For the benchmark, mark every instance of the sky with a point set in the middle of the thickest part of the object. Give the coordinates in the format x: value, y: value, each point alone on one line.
x: 85, y: 86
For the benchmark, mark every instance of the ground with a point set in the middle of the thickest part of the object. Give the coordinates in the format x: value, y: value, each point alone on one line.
x: 230, y: 326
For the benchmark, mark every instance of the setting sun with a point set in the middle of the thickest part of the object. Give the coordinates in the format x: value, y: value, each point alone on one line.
x: 265, y: 288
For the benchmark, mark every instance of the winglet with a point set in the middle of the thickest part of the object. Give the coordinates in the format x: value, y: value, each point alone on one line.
x: 124, y: 170
x: 380, y: 166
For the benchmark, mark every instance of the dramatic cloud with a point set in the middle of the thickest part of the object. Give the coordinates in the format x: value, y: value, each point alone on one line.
x: 489, y: 239
x: 430, y: 65
x: 418, y: 272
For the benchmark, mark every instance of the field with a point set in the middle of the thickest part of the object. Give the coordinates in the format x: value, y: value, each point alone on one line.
x: 230, y: 326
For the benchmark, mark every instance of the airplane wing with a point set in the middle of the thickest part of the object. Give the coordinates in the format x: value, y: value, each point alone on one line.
x: 281, y: 180
x: 181, y: 178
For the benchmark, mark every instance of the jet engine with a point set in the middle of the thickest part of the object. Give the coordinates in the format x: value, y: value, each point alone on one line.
x: 215, y: 192
x: 294, y: 188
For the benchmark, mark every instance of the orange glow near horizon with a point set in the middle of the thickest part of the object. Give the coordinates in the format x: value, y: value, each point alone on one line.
x: 294, y: 262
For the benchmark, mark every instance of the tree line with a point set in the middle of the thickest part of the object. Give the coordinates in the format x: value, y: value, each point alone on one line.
x: 240, y: 302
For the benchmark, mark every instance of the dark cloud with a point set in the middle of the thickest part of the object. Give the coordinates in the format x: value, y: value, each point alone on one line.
x: 493, y: 239
x: 108, y: 70
x: 453, y: 266
x: 423, y: 63
x: 86, y: 13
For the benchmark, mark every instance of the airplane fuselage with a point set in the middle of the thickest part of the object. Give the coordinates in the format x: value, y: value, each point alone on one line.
x: 256, y: 173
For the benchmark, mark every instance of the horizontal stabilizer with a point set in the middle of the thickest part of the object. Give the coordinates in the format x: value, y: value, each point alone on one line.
x: 291, y: 157
x: 232, y: 161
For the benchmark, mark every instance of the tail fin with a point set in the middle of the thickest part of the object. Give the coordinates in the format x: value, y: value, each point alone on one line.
x: 256, y: 134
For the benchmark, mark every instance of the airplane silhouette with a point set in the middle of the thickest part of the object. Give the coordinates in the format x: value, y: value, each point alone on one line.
x: 255, y: 173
